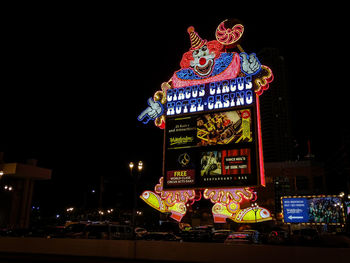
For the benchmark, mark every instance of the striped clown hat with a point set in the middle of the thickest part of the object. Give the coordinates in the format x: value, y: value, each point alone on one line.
x: 196, y: 41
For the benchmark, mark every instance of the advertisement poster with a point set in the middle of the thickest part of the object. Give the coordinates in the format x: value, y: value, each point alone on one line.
x: 226, y: 167
x: 237, y: 161
x: 347, y: 205
x: 313, y: 210
x: 181, y: 132
x: 325, y: 210
x: 224, y: 128
x: 295, y: 210
x: 226, y: 162
x: 181, y: 168
x: 219, y: 128
x: 211, y: 163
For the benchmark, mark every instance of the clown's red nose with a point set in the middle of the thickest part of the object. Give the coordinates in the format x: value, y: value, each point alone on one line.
x: 202, y: 61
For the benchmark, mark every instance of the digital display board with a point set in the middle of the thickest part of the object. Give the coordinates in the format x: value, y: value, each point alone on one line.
x: 347, y: 205
x: 211, y: 149
x: 313, y: 210
x: 217, y: 128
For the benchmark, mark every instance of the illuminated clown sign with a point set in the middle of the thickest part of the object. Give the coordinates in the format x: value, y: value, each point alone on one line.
x: 210, y: 78
x: 211, y: 115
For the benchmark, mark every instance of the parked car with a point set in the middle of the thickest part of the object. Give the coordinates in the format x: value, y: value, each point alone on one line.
x: 220, y: 235
x: 75, y: 230
x: 97, y: 231
x: 140, y: 232
x: 243, y: 237
x: 161, y: 236
x: 120, y: 232
x: 305, y: 236
x: 49, y: 232
x: 196, y: 236
x: 277, y: 236
x: 20, y: 232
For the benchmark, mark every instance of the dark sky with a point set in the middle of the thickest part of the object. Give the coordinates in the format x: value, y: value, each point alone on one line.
x: 76, y: 77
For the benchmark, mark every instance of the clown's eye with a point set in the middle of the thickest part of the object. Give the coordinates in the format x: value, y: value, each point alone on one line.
x: 195, y: 53
x: 204, y: 48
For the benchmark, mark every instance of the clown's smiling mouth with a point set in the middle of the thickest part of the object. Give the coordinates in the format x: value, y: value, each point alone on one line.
x: 204, y: 70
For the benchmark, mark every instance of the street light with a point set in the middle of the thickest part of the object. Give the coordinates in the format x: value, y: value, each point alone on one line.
x: 135, y: 179
x: 255, y: 208
x: 140, y: 166
x: 131, y: 166
x: 8, y: 188
x: 70, y: 209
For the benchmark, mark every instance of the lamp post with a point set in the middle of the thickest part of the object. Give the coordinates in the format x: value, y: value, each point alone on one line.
x: 131, y: 166
x: 70, y: 212
x: 135, y: 178
x: 140, y: 166
x: 255, y: 208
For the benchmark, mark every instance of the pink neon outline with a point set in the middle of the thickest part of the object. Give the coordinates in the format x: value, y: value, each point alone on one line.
x: 261, y: 155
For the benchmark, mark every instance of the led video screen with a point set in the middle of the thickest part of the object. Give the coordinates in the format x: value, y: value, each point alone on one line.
x: 219, y: 128
x: 211, y: 150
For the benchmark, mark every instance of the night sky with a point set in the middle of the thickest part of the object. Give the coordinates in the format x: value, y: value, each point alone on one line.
x: 75, y: 78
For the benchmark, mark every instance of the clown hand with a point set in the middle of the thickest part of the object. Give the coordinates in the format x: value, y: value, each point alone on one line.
x: 152, y: 112
x: 250, y: 64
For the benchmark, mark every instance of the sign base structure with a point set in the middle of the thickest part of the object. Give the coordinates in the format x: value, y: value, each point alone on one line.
x: 210, y: 112
x: 226, y: 203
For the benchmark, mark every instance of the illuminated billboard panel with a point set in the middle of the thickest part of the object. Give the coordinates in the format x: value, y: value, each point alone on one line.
x: 313, y: 210
x: 211, y: 150
x: 227, y: 167
x: 217, y: 128
x: 181, y: 168
x: 224, y: 127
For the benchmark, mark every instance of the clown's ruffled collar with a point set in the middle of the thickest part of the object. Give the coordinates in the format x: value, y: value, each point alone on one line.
x: 225, y: 66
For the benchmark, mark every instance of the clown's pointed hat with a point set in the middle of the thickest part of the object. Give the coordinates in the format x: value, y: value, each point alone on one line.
x: 196, y: 41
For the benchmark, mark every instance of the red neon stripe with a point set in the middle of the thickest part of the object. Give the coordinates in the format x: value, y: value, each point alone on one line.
x: 223, y: 155
x: 261, y: 155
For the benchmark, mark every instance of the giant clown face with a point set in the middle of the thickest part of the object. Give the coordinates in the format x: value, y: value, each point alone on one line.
x: 203, y: 61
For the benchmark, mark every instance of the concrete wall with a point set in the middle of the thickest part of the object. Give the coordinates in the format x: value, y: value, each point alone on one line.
x: 172, y: 251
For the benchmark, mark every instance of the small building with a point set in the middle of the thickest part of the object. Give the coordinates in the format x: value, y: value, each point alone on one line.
x: 16, y: 191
